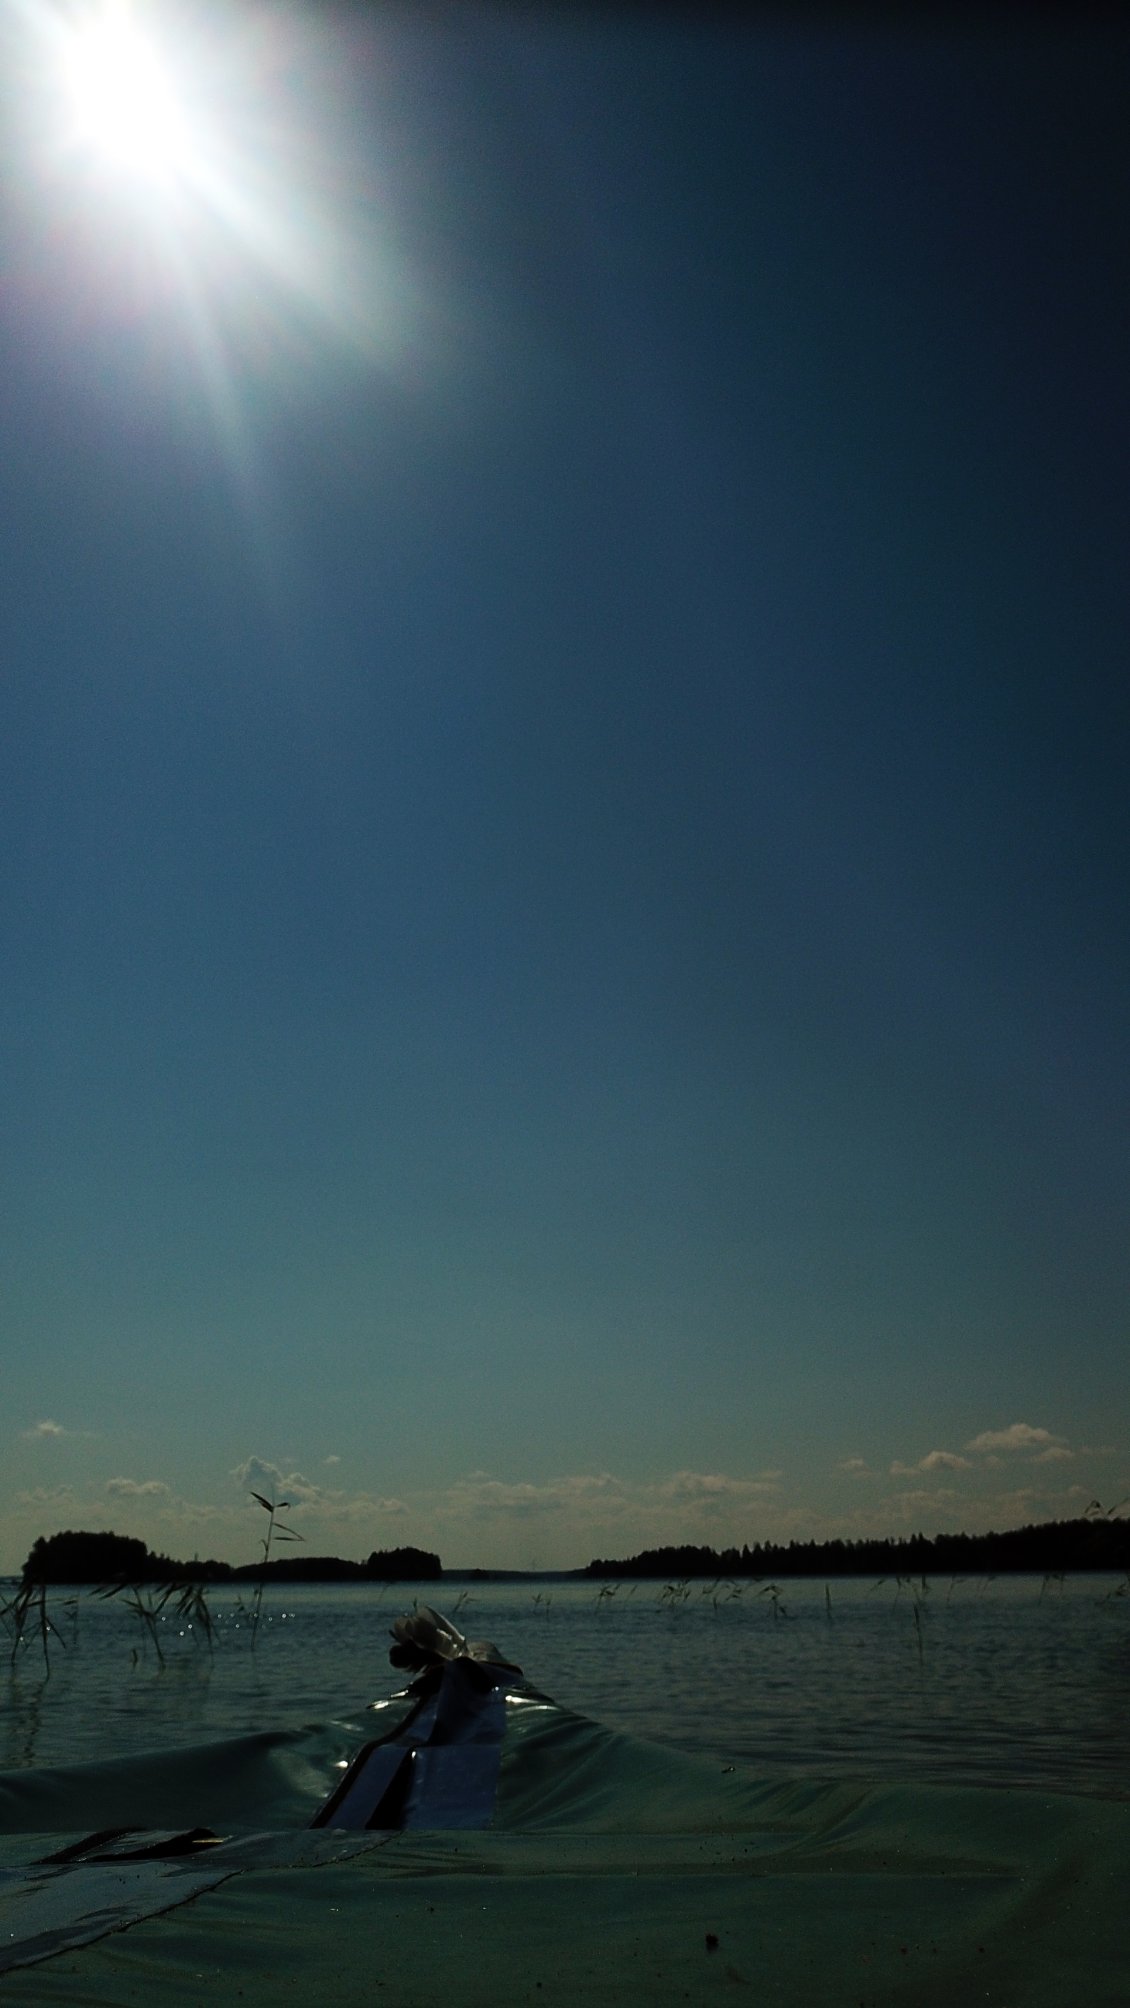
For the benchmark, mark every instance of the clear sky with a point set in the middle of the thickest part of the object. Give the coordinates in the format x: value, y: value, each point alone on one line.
x: 563, y: 778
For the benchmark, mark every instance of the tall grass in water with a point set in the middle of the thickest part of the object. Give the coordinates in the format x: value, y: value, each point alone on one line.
x: 27, y: 1610
x: 724, y: 1591
x: 276, y: 1531
x: 773, y: 1592
x: 919, y: 1591
x: 150, y: 1605
x: 675, y: 1595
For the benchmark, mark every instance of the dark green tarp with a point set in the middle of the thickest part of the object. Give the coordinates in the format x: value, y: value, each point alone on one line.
x: 613, y: 1870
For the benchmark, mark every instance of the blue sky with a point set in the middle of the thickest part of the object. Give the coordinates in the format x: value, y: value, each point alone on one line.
x: 563, y: 783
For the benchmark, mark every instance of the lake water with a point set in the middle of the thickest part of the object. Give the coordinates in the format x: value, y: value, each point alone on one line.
x: 1013, y: 1681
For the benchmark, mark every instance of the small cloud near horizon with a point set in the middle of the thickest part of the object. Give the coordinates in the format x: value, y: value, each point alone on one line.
x: 712, y: 1485
x: 258, y: 1475
x: 934, y: 1460
x: 326, y: 1503
x: 1018, y: 1436
x: 44, y: 1432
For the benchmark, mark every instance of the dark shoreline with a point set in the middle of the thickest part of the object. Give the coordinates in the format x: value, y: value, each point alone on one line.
x: 1098, y: 1543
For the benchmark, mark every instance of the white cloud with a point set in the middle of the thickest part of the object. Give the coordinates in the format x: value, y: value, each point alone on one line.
x: 357, y: 1506
x: 934, y: 1460
x: 327, y: 1505
x: 255, y: 1474
x: 950, y: 1511
x: 923, y: 1501
x: 481, y: 1496
x: 1033, y: 1503
x: 943, y: 1460
x: 1018, y: 1436
x: 45, y: 1432
x: 603, y: 1514
x: 566, y: 1519
x: 715, y: 1486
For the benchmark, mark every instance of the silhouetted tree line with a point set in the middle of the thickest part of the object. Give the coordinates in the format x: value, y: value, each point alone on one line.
x: 120, y: 1558
x: 112, y: 1558
x: 1050, y: 1548
x: 385, y: 1565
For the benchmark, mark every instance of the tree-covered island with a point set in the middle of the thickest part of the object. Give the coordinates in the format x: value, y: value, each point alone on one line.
x: 78, y: 1557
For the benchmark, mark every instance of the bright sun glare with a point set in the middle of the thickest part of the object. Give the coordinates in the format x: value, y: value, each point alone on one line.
x: 197, y: 191
x: 125, y: 108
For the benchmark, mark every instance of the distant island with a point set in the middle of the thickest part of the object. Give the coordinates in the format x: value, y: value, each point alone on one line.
x: 1098, y: 1541
x: 119, y: 1558
x: 1053, y: 1547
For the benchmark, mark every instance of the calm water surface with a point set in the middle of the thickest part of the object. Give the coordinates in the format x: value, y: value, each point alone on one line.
x: 1012, y: 1681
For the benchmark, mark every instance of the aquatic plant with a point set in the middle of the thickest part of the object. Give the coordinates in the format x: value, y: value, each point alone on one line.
x: 723, y: 1593
x: 150, y: 1606
x: 675, y: 1595
x: 25, y: 1610
x: 773, y: 1592
x: 275, y: 1532
x: 147, y: 1609
x: 919, y: 1592
x: 1097, y: 1511
x: 192, y: 1607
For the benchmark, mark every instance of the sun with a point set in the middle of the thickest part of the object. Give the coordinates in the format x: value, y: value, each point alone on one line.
x: 191, y: 183
x: 125, y: 111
